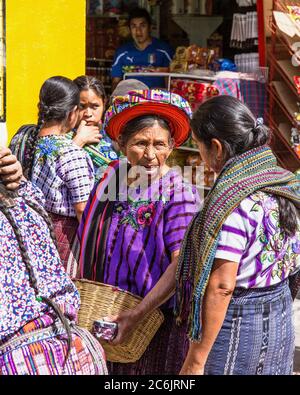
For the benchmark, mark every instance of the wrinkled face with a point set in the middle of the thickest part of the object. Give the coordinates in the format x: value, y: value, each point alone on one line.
x: 140, y: 30
x: 91, y: 107
x: 150, y: 148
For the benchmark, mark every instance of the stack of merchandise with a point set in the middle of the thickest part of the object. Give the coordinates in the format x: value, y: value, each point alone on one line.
x: 193, y: 91
x: 193, y: 58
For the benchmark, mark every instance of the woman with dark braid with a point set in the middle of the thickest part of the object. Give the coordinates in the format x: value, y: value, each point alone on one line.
x: 38, y: 301
x: 242, y: 251
x: 61, y: 169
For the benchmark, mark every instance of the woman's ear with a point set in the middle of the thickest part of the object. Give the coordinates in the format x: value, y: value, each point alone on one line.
x: 217, y: 155
x: 217, y: 149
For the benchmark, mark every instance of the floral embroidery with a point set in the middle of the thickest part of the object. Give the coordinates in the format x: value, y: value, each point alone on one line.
x: 279, y: 253
x: 49, y: 147
x: 136, y: 213
x: 145, y: 214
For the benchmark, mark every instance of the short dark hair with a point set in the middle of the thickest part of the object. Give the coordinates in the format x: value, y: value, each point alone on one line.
x: 139, y: 13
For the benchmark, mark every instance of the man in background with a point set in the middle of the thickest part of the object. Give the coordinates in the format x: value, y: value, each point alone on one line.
x: 142, y: 52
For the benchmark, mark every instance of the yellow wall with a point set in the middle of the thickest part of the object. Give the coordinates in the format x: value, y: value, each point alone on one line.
x: 43, y: 38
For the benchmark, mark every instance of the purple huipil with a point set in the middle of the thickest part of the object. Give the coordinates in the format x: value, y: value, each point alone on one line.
x: 146, y: 230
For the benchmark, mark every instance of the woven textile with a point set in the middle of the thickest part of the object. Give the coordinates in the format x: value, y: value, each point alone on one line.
x: 170, y: 106
x: 64, y: 173
x: 22, y: 145
x: 241, y: 176
x: 39, y: 348
x: 257, y: 335
x: 65, y: 229
x: 252, y: 93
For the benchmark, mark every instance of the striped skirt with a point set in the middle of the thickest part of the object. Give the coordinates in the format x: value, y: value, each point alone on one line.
x: 65, y: 229
x: 257, y: 336
x: 39, y: 350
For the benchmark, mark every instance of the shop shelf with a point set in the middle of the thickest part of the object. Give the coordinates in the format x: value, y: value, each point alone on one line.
x: 286, y: 41
x: 281, y: 132
x: 286, y: 70
x: 285, y: 99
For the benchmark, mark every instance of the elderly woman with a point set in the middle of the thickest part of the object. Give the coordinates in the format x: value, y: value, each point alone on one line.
x: 133, y: 241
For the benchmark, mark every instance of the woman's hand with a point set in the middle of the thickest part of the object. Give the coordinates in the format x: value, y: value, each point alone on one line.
x: 127, y: 321
x: 87, y: 134
x: 10, y: 169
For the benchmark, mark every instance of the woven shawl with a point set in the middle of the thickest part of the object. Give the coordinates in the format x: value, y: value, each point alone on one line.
x: 89, y: 247
x: 241, y: 176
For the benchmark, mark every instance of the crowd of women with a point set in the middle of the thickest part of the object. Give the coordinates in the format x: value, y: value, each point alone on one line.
x: 223, y: 271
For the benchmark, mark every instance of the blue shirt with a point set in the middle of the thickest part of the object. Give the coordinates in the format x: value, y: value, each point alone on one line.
x: 157, y: 54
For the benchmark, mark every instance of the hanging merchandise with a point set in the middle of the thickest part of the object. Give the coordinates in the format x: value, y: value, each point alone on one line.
x: 244, y: 33
x: 245, y: 3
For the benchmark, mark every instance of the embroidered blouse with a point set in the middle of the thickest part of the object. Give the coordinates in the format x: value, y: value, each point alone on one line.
x: 63, y: 172
x: 251, y: 236
x: 146, y: 227
x: 18, y: 304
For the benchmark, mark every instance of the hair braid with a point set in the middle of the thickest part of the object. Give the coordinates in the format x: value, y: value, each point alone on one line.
x: 32, y: 278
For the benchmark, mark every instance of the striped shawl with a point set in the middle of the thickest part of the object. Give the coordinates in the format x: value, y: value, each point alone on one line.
x: 241, y: 176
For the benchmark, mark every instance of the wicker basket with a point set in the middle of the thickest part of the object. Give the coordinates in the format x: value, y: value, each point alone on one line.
x: 99, y: 300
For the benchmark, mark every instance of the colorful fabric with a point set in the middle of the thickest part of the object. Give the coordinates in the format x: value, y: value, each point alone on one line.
x: 157, y: 54
x: 144, y: 228
x: 164, y: 355
x: 250, y: 92
x: 64, y: 173
x: 65, y: 229
x: 40, y: 347
x: 18, y: 304
x: 251, y: 236
x: 170, y: 106
x: 22, y: 145
x: 101, y: 154
x: 241, y: 176
x: 257, y: 336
